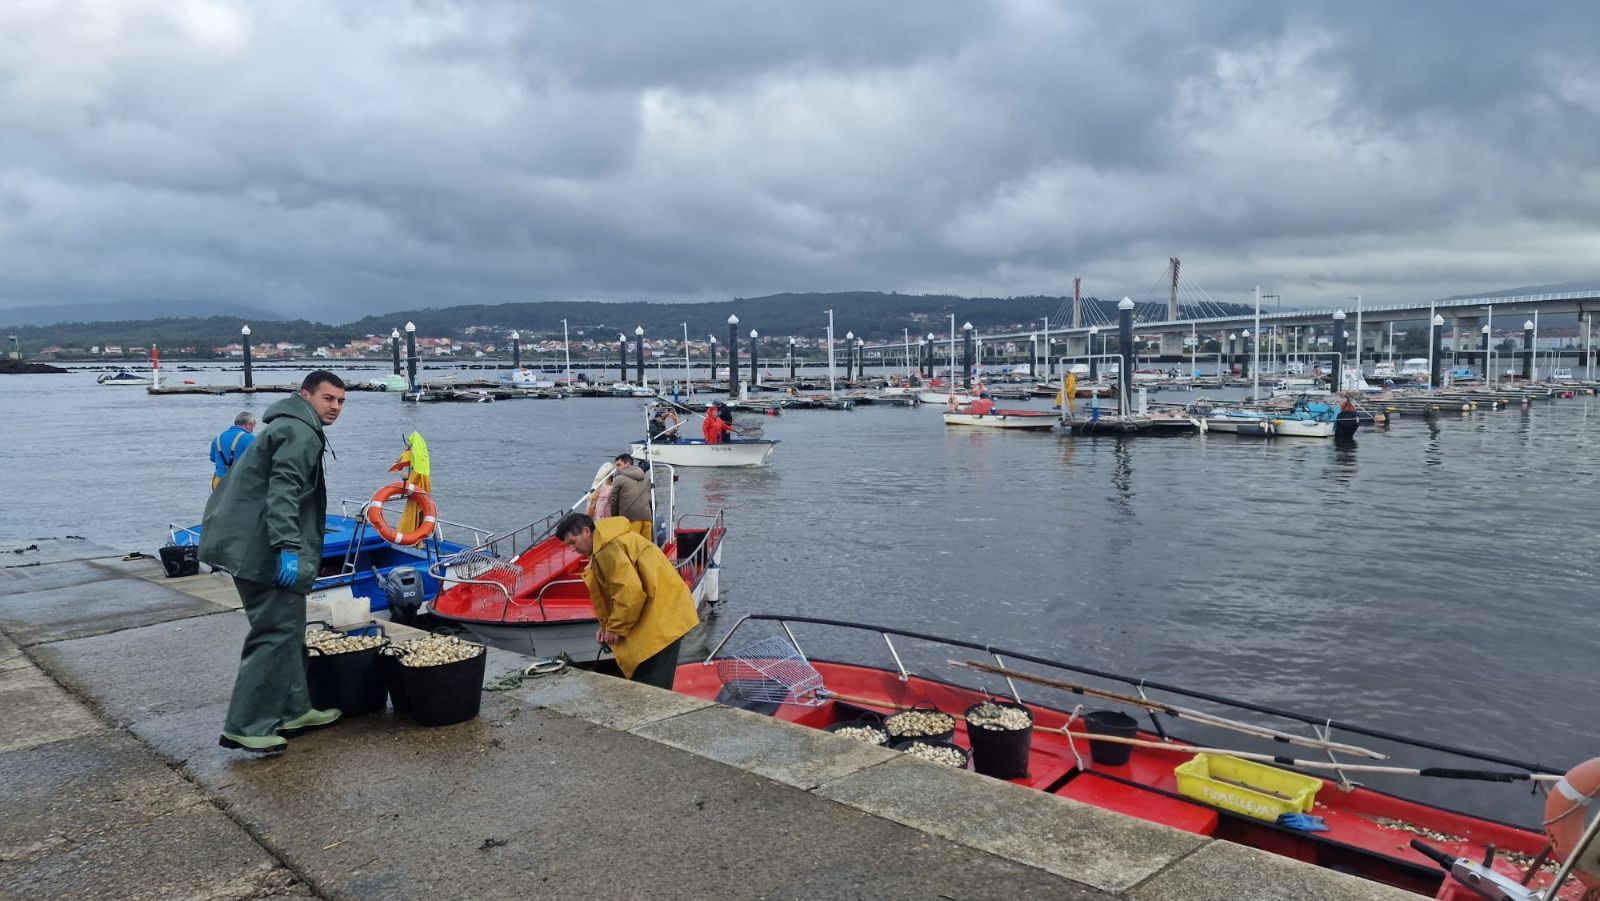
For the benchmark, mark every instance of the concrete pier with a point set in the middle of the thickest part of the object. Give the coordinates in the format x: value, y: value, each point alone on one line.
x: 113, y: 684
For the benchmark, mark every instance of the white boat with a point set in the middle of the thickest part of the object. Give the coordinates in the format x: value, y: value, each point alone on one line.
x: 1034, y: 420
x: 123, y: 377
x: 1303, y: 428
x: 525, y: 378
x: 1415, y: 369
x: 696, y: 452
x: 1232, y: 421
x: 623, y: 389
x: 942, y: 399
x: 390, y: 382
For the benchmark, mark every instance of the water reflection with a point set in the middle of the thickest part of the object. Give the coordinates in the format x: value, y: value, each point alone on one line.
x: 1122, y: 476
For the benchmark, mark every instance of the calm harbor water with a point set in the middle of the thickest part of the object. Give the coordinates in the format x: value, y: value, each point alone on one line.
x: 1435, y: 579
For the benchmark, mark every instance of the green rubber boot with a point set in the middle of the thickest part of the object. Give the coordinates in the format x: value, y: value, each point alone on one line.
x: 311, y: 719
x: 255, y: 744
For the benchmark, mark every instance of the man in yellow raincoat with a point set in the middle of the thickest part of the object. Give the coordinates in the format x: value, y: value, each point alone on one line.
x: 419, y: 477
x: 643, y: 604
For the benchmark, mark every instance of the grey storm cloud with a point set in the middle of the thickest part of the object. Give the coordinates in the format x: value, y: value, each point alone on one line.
x: 340, y: 159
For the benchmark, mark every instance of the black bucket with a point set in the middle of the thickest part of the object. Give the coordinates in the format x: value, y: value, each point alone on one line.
x: 446, y: 694
x: 874, y: 725
x: 966, y: 759
x: 1001, y: 753
x: 350, y: 682
x: 395, y: 681
x: 895, y: 735
x: 1114, y: 723
x: 180, y: 560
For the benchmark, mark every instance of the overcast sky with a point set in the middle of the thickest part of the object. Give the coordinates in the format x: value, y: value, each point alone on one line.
x: 343, y: 158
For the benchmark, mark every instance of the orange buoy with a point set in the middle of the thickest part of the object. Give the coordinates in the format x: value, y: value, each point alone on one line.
x: 1573, y: 804
x: 375, y: 518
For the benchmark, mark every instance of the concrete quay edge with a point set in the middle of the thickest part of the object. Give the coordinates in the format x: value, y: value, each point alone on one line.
x: 80, y: 699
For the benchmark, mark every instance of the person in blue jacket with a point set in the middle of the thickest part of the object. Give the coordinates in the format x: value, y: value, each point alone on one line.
x: 228, y: 447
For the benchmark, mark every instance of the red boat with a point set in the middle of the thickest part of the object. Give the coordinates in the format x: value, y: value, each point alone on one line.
x: 1368, y: 831
x: 523, y: 591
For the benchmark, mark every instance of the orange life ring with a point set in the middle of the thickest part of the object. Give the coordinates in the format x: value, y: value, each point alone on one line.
x: 430, y: 513
x: 1573, y: 804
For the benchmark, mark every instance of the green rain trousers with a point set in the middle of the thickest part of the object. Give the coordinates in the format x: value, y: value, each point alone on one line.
x: 271, y: 686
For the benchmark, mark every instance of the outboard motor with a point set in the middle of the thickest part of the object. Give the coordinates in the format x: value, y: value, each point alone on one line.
x: 403, y: 587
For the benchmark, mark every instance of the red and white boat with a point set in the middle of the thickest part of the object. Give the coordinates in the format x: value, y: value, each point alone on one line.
x: 1368, y: 831
x: 1026, y: 420
x: 523, y: 591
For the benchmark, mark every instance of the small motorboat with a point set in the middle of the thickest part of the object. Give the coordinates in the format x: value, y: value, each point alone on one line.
x: 695, y: 452
x: 1025, y: 420
x: 525, y: 378
x: 523, y: 591
x: 123, y: 377
x: 355, y: 558
x: 943, y: 399
x: 1226, y: 771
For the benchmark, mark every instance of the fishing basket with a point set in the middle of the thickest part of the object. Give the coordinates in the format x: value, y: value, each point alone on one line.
x: 996, y: 750
x: 349, y: 681
x: 1253, y: 789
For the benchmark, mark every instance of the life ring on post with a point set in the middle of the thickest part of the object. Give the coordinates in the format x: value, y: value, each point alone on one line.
x: 430, y: 513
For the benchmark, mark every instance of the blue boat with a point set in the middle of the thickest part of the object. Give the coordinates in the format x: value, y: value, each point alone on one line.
x: 355, y: 556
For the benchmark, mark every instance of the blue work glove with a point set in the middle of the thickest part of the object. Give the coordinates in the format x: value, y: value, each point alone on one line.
x: 288, y: 568
x: 1303, y: 821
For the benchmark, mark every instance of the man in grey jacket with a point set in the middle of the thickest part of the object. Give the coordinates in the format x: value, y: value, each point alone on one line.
x: 264, y: 525
x: 630, y: 495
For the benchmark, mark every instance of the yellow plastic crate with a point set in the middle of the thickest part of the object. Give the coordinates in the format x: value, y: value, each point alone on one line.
x: 1241, y: 786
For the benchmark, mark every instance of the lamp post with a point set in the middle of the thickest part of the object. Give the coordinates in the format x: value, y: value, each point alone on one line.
x: 516, y: 352
x: 1338, y: 352
x: 1094, y: 361
x: 394, y: 348
x: 1125, y: 352
x: 930, y: 355
x: 1049, y: 364
x: 1483, y: 349
x: 754, y: 379
x: 622, y: 357
x: 861, y: 358
x: 244, y: 340
x: 791, y: 358
x: 849, y: 358
x: 907, y: 333
x: 1244, y: 352
x: 411, y: 356
x: 1033, y: 355
x: 966, y: 355
x: 713, y: 342
x: 922, y: 357
x: 638, y: 347
x: 1435, y: 350
x: 1527, y: 350
x: 733, y: 356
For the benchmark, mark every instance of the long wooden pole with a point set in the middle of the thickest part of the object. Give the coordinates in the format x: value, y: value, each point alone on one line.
x: 1180, y: 712
x: 1437, y: 772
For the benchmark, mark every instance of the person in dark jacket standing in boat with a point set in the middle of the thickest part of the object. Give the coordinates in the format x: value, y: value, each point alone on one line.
x: 630, y: 495
x: 228, y: 447
x: 263, y: 525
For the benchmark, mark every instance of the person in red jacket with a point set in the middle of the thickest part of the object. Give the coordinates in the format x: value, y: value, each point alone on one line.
x: 982, y: 405
x: 715, y: 429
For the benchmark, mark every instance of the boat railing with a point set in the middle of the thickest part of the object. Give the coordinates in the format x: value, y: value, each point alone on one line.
x: 1323, y: 728
x: 442, y: 527
x: 493, y: 562
x: 700, y: 558
x: 174, y: 530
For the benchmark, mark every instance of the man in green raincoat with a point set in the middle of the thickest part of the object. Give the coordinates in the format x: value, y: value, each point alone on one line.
x: 264, y: 526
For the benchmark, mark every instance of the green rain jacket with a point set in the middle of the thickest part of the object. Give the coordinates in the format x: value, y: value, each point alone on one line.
x: 273, y: 498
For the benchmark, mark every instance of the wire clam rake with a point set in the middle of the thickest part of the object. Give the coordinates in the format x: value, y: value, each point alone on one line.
x: 772, y: 671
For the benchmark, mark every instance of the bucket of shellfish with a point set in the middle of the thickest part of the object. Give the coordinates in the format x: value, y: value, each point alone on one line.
x: 942, y: 752
x: 870, y: 731
x: 922, y: 721
x: 1001, y: 736
x: 342, y: 668
x: 439, y: 678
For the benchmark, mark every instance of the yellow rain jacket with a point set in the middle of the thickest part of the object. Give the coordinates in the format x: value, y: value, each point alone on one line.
x: 637, y: 593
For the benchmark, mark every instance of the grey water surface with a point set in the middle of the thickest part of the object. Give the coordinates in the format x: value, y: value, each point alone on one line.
x: 1436, y: 578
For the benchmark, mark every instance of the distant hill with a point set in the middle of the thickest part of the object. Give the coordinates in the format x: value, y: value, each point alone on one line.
x: 127, y: 311
x: 871, y: 315
x: 1558, y: 288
